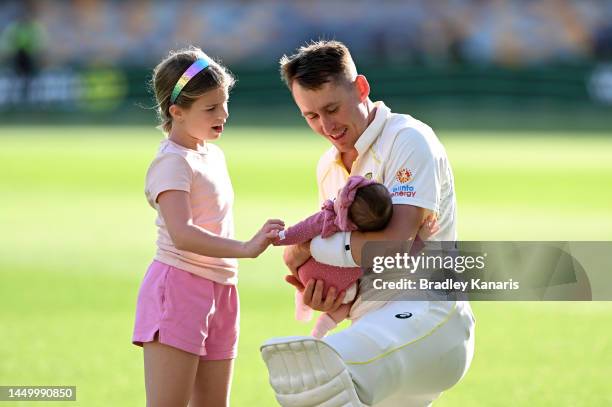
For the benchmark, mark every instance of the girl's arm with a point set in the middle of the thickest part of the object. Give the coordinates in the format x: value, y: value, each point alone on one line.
x: 176, y: 212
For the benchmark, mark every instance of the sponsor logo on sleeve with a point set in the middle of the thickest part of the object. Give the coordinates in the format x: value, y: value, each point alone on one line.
x: 404, y: 175
x: 407, y: 191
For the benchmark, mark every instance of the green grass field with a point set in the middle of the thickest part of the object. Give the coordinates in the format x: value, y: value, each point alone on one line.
x: 76, y: 236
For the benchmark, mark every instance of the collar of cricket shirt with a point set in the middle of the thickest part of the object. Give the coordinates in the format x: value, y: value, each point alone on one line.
x: 374, y: 130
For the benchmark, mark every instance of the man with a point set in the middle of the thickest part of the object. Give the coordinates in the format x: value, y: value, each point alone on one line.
x: 396, y: 353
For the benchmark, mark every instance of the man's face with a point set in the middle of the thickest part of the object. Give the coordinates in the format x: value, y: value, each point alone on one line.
x: 336, y: 111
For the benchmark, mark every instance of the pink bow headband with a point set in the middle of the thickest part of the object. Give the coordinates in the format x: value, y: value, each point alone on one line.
x: 346, y: 198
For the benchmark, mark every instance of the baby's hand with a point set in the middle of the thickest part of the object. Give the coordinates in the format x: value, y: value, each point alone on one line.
x: 262, y: 239
x: 429, y: 227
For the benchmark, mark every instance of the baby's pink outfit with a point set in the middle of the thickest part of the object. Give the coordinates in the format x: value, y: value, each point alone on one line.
x: 332, y: 218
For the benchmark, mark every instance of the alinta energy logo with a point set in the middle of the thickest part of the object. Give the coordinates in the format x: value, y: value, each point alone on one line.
x: 404, y: 175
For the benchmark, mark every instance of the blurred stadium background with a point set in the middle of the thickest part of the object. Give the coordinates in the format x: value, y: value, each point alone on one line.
x: 519, y: 91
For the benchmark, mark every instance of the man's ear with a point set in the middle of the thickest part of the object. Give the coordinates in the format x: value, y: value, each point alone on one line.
x: 363, y: 87
x: 176, y: 112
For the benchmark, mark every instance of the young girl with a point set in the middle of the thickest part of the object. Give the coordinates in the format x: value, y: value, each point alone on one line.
x: 187, y: 312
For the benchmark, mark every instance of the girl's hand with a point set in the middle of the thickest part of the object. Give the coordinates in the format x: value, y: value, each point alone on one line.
x: 263, y: 238
x: 429, y: 227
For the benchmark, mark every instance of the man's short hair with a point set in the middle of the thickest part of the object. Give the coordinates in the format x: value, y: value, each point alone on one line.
x: 317, y: 63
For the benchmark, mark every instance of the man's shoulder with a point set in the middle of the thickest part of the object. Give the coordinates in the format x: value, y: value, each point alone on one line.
x: 406, y: 127
x: 403, y: 132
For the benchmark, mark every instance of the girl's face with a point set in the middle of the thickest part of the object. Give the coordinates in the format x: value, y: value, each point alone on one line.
x: 205, y: 118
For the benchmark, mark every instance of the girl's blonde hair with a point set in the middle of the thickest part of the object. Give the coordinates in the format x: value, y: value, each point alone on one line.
x: 171, y: 68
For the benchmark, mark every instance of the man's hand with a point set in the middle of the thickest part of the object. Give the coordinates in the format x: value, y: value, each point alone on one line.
x: 429, y: 227
x: 404, y: 225
x: 313, y: 297
x: 294, y: 281
x: 313, y: 294
x: 294, y: 257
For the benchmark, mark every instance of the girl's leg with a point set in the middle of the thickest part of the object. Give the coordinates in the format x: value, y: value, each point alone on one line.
x: 169, y: 375
x: 212, y: 384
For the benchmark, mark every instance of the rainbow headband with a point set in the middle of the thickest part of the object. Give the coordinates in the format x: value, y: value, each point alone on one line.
x: 198, y: 66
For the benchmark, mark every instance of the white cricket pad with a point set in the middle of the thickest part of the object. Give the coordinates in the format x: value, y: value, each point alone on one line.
x: 306, y: 372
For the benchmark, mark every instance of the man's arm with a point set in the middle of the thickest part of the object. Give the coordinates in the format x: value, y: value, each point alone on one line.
x: 404, y: 225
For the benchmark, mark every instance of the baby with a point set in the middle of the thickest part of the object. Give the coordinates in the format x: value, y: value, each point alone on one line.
x: 363, y: 205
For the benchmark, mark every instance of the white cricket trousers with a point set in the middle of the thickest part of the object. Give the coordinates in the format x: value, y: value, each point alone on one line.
x: 407, y: 352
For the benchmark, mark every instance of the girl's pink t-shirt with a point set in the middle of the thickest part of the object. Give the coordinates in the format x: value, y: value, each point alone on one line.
x: 203, y: 174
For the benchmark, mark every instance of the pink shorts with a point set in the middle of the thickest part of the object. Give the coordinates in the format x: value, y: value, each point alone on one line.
x: 190, y: 313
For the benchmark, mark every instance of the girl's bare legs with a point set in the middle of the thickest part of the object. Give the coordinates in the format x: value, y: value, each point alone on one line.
x: 212, y: 384
x: 169, y: 375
